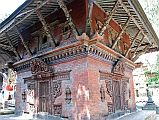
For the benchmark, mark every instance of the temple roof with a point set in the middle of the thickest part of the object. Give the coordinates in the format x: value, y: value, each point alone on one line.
x: 25, y: 16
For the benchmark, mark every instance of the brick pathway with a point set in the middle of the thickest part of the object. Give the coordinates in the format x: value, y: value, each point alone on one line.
x: 141, y: 115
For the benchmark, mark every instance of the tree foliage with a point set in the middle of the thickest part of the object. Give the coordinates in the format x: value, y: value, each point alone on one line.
x: 152, y: 74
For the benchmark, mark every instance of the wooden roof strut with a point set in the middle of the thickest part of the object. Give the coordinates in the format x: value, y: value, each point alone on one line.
x: 46, y: 28
x: 127, y: 52
x: 123, y: 29
x: 140, y: 53
x: 138, y: 46
x: 23, y: 42
x: 107, y: 20
x: 14, y: 50
x: 133, y: 19
x: 68, y: 16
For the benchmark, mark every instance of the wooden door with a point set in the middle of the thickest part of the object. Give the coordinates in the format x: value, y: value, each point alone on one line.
x: 44, y: 96
x: 116, y: 95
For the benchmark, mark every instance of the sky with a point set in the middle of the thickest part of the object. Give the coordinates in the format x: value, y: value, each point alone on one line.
x: 8, y: 6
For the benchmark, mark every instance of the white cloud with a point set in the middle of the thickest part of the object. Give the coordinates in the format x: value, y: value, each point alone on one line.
x: 9, y: 6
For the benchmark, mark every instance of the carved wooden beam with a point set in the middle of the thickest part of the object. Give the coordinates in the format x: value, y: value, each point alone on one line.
x: 9, y: 48
x: 133, y: 19
x: 127, y: 52
x: 23, y: 42
x: 46, y: 28
x: 138, y: 45
x: 123, y: 29
x: 107, y: 20
x: 68, y: 16
x: 14, y: 50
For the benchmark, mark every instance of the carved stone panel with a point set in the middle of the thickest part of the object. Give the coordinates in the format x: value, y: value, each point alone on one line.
x: 109, y: 87
x: 56, y: 89
x: 125, y: 93
x: 57, y: 109
x: 110, y: 107
x: 107, y: 77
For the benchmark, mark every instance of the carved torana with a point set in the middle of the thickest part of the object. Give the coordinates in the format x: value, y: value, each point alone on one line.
x: 38, y: 66
x: 119, y: 68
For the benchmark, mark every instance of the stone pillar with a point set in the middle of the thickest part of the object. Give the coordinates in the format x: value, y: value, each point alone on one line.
x: 18, y: 99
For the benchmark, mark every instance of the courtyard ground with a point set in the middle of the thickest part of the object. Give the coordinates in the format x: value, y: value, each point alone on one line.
x: 141, y: 115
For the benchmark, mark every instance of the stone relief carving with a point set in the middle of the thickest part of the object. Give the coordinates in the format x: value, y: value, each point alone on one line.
x: 102, y: 92
x: 110, y: 107
x: 56, y: 89
x: 57, y: 109
x: 109, y: 87
x: 125, y: 93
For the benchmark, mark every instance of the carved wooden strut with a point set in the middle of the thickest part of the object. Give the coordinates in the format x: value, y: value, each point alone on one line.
x: 14, y: 50
x: 46, y: 28
x: 107, y: 20
x: 23, y: 42
x: 123, y: 29
x: 68, y: 16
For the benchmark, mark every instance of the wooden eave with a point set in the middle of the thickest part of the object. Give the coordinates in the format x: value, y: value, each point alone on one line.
x: 26, y: 17
x: 139, y: 21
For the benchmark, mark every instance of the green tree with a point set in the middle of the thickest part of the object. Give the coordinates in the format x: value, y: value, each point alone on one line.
x: 152, y: 74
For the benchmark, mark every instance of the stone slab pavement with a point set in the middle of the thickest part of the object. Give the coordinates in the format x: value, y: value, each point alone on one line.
x: 140, y: 115
x: 15, y: 117
x: 157, y: 116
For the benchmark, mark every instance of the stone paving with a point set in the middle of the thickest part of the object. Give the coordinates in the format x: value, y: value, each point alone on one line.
x: 14, y: 117
x: 157, y: 117
x: 25, y: 117
x: 141, y: 115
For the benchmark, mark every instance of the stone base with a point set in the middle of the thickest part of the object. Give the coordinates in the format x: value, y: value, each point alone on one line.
x: 149, y: 106
x: 46, y: 116
x: 115, y: 115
